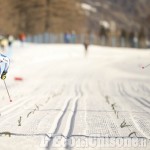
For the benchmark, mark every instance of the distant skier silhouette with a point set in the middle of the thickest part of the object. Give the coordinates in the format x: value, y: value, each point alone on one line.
x: 86, y: 45
x: 22, y: 38
x: 3, y: 43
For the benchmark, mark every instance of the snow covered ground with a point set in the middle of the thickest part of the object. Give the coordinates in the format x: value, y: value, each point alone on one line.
x: 69, y: 101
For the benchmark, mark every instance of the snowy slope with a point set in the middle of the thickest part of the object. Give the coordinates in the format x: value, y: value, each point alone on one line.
x: 65, y: 94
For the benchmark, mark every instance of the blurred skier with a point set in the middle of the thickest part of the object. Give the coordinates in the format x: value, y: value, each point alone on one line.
x: 3, y: 43
x: 22, y: 38
x: 10, y: 40
x: 86, y: 45
x: 4, y: 65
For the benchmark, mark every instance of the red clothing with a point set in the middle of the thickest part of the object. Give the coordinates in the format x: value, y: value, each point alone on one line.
x: 22, y: 37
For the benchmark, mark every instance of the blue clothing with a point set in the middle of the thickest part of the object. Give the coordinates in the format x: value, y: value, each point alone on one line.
x: 4, y: 63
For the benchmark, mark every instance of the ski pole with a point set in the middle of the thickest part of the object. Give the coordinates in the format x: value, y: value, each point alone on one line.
x: 7, y: 91
x: 146, y: 66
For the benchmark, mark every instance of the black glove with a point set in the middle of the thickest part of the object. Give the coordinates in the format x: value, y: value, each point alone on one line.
x: 3, y: 76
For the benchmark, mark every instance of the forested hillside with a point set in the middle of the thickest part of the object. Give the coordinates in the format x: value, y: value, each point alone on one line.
x: 38, y: 16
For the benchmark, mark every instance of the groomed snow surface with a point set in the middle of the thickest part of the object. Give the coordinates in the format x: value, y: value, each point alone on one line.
x: 67, y: 100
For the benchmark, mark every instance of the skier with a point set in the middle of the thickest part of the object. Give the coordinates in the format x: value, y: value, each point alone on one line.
x: 3, y: 43
x: 4, y: 65
x: 86, y: 45
x: 22, y: 38
x: 10, y: 40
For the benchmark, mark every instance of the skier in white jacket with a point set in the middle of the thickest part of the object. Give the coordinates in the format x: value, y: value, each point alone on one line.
x: 4, y: 65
